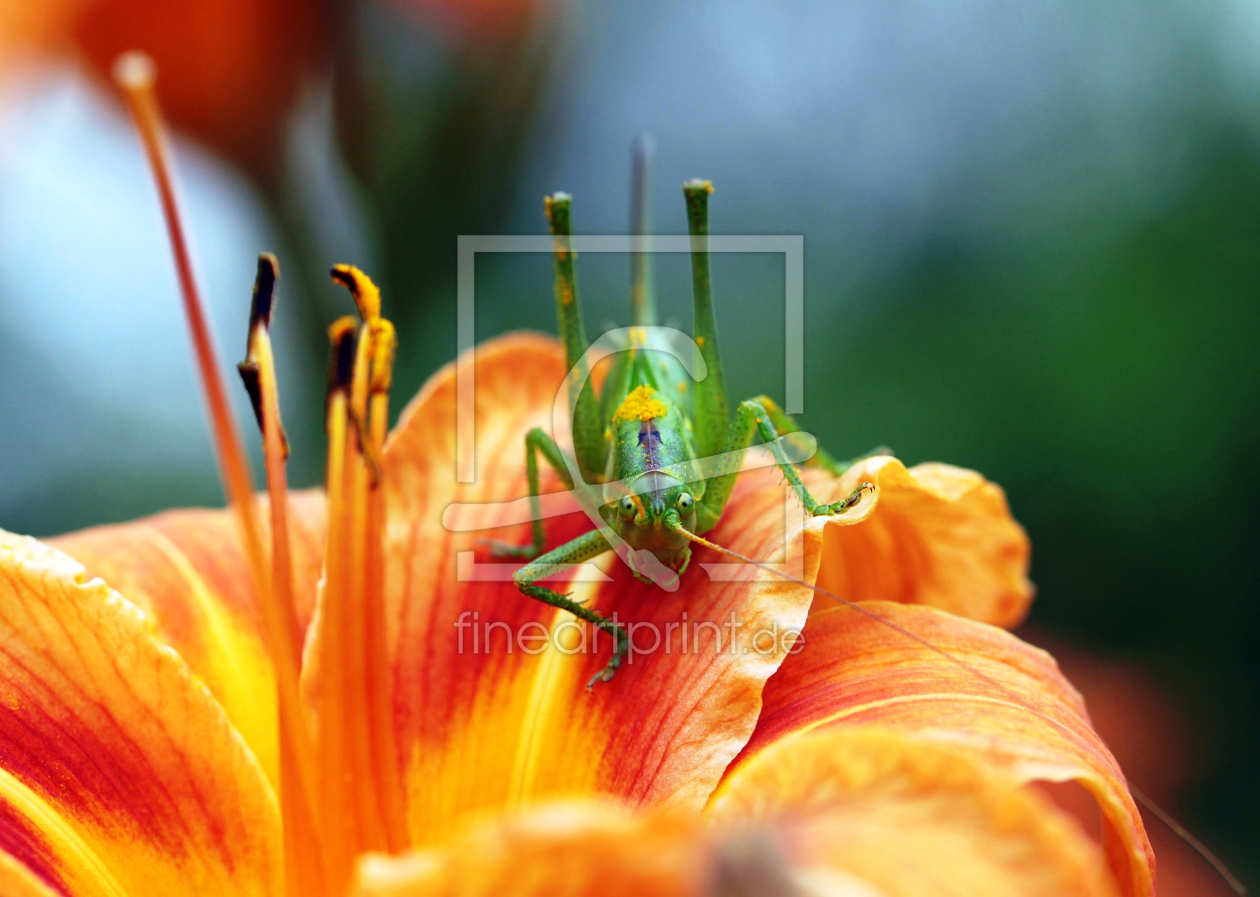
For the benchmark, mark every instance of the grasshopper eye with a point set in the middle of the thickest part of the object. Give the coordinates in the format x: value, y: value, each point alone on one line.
x: 685, y: 502
x: 626, y: 506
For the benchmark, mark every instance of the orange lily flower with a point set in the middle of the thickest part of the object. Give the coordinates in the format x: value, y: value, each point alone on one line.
x: 155, y: 736
x: 121, y: 771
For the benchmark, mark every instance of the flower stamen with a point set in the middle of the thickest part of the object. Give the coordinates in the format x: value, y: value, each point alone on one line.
x: 258, y: 372
x: 135, y: 75
x: 358, y: 749
x: 340, y: 824
x: 380, y: 690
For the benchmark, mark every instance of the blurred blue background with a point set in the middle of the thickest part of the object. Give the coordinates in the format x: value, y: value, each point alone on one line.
x: 1032, y: 247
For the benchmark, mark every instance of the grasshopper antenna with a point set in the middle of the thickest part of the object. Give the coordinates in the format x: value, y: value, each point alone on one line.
x: 642, y: 289
x: 1204, y: 852
x: 1191, y: 841
x: 743, y: 558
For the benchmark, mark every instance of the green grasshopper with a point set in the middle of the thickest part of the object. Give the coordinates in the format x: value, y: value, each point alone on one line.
x: 645, y: 431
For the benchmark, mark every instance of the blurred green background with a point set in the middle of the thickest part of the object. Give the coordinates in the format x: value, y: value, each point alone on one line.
x: 1032, y: 248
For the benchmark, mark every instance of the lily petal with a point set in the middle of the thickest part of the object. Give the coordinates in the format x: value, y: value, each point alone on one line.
x: 1009, y: 705
x: 933, y: 534
x: 852, y: 813
x: 908, y: 817
x: 563, y: 849
x: 482, y: 729
x: 187, y: 571
x: 119, y: 773
x: 16, y: 880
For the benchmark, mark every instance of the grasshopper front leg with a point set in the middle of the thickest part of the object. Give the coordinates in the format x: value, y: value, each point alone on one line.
x: 536, y: 440
x: 752, y: 418
x: 577, y: 551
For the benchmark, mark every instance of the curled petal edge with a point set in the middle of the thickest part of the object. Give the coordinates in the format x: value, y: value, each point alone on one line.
x: 931, y: 534
x: 979, y: 689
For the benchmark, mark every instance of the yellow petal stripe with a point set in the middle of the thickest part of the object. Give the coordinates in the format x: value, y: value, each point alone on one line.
x: 16, y: 880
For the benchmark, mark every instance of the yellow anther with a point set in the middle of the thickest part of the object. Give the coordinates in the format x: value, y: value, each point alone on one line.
x: 384, y: 348
x: 340, y: 327
x: 258, y: 343
x: 341, y: 334
x: 366, y: 295
x: 640, y: 405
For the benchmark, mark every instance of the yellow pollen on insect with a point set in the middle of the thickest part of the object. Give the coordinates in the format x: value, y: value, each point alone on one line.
x: 682, y: 386
x: 700, y: 341
x: 640, y: 405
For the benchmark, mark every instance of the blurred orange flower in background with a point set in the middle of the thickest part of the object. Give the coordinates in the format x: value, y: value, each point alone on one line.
x: 235, y: 66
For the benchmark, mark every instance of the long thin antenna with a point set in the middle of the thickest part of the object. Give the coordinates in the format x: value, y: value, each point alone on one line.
x: 1156, y: 810
x: 642, y: 287
x: 846, y: 602
x: 1194, y: 843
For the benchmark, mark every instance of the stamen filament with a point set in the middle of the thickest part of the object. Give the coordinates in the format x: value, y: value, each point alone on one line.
x: 355, y: 603
x: 302, y: 842
x: 358, y: 754
x: 380, y: 685
x: 363, y: 773
x: 340, y: 831
x: 135, y: 75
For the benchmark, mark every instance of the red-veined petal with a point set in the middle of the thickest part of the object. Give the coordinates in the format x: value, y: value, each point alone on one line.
x: 187, y: 571
x: 119, y: 773
x: 483, y: 730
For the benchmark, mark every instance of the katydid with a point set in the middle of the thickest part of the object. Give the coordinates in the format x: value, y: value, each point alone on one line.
x: 647, y: 423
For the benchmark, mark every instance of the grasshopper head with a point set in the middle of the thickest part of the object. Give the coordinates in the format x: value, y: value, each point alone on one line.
x: 648, y: 511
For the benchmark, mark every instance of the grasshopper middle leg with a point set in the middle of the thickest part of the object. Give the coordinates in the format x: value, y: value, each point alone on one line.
x: 784, y: 424
x: 536, y: 442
